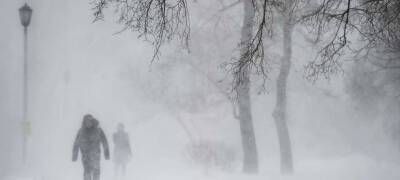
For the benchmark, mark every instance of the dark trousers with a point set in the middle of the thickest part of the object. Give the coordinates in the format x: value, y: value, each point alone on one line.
x: 91, y: 168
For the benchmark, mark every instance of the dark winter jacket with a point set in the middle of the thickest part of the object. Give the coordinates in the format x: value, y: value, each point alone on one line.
x: 88, y: 141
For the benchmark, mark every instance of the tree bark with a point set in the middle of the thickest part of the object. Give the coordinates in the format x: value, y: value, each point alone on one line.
x: 280, y: 112
x: 250, y: 154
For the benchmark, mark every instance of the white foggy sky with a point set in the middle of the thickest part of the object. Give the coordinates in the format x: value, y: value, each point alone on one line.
x: 62, y: 37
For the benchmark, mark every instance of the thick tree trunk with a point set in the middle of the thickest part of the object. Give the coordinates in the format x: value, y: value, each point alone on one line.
x: 250, y: 154
x: 280, y: 113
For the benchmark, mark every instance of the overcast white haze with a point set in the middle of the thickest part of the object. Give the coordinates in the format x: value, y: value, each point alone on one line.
x: 78, y: 67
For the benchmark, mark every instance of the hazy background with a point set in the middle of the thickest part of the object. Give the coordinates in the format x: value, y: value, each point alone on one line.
x: 78, y: 67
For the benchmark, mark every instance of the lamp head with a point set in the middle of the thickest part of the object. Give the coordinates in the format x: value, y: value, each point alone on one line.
x: 25, y: 14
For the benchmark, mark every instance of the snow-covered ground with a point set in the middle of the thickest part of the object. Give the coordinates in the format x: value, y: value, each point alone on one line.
x: 346, y: 168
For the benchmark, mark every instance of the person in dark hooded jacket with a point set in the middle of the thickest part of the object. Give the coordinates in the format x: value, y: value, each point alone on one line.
x: 88, y: 141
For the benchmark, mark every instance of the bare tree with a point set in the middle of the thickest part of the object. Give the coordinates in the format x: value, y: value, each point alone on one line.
x: 280, y: 111
x: 250, y: 162
x: 290, y: 12
x: 259, y: 15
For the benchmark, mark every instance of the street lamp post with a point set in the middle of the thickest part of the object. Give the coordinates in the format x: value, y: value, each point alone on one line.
x: 25, y: 14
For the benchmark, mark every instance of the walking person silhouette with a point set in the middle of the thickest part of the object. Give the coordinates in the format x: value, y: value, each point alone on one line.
x: 122, y: 151
x: 88, y: 141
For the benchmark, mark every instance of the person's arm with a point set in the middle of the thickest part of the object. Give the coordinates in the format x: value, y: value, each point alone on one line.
x: 104, y: 142
x: 75, y: 149
x: 128, y: 144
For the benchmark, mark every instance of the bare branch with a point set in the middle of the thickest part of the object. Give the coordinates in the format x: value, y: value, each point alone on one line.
x: 156, y: 21
x: 375, y: 21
